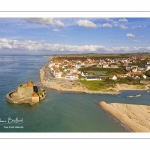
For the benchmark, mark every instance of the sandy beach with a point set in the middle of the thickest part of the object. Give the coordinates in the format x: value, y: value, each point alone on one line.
x: 67, y: 85
x: 135, y: 117
x: 120, y: 87
x: 72, y: 86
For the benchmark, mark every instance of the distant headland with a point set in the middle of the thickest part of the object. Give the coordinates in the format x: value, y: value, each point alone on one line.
x: 26, y: 93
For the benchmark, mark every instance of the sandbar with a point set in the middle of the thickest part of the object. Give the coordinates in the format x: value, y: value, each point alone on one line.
x: 135, y: 117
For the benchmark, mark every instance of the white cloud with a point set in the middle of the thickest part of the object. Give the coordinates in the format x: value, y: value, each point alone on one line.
x: 136, y: 41
x: 123, y: 27
x: 86, y: 23
x: 44, y: 21
x: 108, y: 19
x: 40, y: 45
x: 129, y: 35
x: 59, y: 23
x: 28, y: 45
x: 56, y: 30
x: 123, y: 20
x: 115, y: 23
x: 107, y: 25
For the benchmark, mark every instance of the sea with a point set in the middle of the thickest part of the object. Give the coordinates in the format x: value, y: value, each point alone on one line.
x: 60, y: 111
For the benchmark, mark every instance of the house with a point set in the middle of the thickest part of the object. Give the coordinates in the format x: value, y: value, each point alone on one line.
x: 144, y: 76
x: 69, y: 76
x: 105, y: 65
x: 135, y: 69
x: 128, y: 68
x: 63, y: 75
x: 113, y: 66
x: 141, y: 68
x: 84, y: 74
x: 75, y: 75
x: 113, y: 77
x: 121, y: 75
x: 92, y: 78
x: 57, y: 73
x: 147, y: 67
x: 56, y: 65
x: 133, y: 74
x: 78, y: 65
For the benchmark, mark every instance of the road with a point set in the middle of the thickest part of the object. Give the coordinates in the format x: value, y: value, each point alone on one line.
x: 47, y: 73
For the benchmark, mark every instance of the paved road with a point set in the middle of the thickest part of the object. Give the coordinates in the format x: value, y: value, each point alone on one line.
x: 47, y: 74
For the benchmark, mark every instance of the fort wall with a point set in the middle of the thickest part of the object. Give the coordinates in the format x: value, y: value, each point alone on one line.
x: 25, y: 91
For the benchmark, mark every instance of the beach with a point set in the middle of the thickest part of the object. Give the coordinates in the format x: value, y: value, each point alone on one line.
x: 135, y: 117
x: 66, y: 85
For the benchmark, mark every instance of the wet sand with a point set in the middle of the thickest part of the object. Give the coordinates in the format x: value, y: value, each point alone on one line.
x: 135, y: 117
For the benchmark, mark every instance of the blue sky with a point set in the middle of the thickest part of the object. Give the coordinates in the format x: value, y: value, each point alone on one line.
x: 74, y: 35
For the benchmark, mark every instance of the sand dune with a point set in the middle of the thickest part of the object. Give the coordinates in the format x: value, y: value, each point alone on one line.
x: 135, y: 117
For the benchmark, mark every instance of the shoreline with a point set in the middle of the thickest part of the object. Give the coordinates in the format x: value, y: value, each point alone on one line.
x: 134, y: 117
x: 74, y: 86
x: 59, y: 88
x: 117, y: 120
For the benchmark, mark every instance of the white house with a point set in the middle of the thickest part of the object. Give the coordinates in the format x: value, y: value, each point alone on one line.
x: 147, y: 67
x: 105, y: 65
x: 69, y: 76
x: 57, y: 73
x: 78, y: 65
x: 144, y: 76
x: 113, y: 77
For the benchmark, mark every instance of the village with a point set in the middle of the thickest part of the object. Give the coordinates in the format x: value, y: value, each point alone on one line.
x: 88, y: 69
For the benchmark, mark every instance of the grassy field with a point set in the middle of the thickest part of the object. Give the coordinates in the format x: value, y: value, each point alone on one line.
x: 98, y: 56
x: 104, y: 71
x: 97, y: 73
x: 105, y: 84
x: 99, y: 85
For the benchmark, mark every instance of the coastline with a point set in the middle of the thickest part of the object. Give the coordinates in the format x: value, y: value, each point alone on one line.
x: 68, y: 85
x: 135, y: 117
x: 74, y: 86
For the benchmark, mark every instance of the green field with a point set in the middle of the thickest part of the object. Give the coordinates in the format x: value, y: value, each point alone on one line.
x: 104, y: 71
x: 106, y: 83
x: 98, y: 56
x: 97, y: 73
x: 101, y: 85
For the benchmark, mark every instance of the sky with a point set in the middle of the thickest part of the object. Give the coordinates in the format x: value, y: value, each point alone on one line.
x: 74, y: 35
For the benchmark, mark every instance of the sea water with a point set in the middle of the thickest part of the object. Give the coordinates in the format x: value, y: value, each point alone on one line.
x: 60, y: 111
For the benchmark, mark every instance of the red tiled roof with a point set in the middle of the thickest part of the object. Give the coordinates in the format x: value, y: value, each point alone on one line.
x: 74, y: 73
x: 56, y: 70
x: 35, y: 95
x: 30, y: 83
